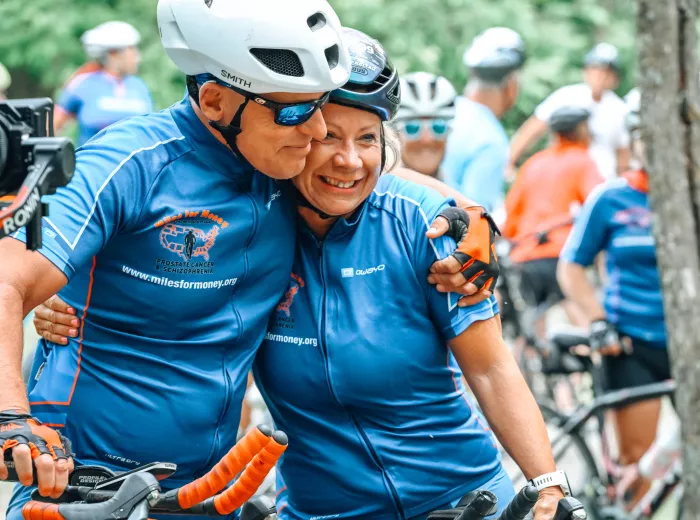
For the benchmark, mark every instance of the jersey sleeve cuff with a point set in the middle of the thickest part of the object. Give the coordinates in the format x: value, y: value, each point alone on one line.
x: 470, y: 315
x: 51, y: 252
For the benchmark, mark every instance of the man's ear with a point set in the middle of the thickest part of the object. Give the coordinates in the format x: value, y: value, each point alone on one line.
x: 211, y: 101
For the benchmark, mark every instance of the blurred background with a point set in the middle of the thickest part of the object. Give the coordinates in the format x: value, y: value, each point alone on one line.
x: 40, y: 40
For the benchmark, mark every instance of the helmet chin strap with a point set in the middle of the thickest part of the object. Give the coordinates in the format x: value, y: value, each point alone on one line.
x: 229, y: 132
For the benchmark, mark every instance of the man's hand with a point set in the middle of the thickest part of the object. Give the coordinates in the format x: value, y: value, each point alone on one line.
x: 604, y: 338
x: 546, y: 506
x: 34, y: 445
x: 55, y: 321
x: 472, y: 270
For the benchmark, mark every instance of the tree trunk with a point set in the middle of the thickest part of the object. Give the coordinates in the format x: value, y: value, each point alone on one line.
x: 668, y: 79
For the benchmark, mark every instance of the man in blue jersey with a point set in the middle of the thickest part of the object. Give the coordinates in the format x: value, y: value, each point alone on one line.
x: 170, y: 339
x: 167, y: 337
x: 477, y: 149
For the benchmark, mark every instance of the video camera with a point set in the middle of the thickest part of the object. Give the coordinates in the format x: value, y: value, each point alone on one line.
x: 33, y: 163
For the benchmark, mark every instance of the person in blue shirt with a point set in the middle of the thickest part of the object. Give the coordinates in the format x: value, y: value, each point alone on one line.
x: 366, y: 385
x: 477, y: 148
x: 628, y: 328
x: 106, y: 89
x: 165, y: 342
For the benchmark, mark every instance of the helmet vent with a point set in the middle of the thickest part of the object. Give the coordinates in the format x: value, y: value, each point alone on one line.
x: 433, y: 88
x: 332, y: 56
x: 383, y: 78
x: 413, y: 88
x: 281, y: 61
x: 316, y: 21
x: 394, y: 95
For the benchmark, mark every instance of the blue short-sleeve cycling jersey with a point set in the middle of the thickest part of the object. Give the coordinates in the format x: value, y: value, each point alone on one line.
x: 616, y: 218
x: 477, y: 154
x: 98, y: 99
x: 176, y: 255
x: 355, y: 369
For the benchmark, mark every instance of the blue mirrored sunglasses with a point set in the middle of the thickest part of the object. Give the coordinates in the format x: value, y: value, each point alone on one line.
x: 286, y: 114
x: 291, y: 114
x: 413, y: 128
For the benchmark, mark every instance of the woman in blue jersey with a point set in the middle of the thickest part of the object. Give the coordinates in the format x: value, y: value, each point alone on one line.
x: 628, y: 327
x: 358, y: 373
x: 104, y: 90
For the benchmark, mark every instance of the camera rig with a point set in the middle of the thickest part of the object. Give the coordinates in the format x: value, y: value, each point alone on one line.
x: 33, y: 163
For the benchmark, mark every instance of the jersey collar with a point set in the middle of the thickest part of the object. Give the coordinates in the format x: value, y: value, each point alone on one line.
x: 340, y: 227
x: 637, y: 180
x: 209, y: 148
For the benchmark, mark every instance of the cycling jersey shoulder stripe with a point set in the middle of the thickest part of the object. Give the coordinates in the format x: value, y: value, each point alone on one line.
x: 420, y: 209
x: 109, y: 178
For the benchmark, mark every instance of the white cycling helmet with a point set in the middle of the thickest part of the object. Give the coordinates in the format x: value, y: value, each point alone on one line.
x: 259, y: 46
x: 5, y: 79
x: 426, y: 95
x: 109, y: 36
x: 495, y: 53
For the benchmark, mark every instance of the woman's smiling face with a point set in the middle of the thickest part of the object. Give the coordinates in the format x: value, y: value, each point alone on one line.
x: 342, y: 170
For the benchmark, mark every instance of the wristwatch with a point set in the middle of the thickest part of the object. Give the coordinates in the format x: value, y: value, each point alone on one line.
x: 558, y: 478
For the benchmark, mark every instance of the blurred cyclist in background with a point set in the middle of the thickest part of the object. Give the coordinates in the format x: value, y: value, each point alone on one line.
x: 424, y: 121
x: 550, y: 189
x: 477, y: 149
x: 5, y: 81
x: 105, y: 90
x: 610, y: 145
x: 617, y: 219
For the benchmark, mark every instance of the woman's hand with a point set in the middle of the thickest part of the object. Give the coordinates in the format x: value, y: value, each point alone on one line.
x: 546, y: 506
x: 55, y: 321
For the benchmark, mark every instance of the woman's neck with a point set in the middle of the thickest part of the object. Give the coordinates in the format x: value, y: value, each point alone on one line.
x: 318, y: 226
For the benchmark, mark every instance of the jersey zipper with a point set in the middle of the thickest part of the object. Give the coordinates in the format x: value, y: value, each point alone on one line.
x: 227, y: 379
x: 363, y: 435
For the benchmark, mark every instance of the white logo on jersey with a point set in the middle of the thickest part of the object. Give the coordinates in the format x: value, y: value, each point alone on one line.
x: 349, y: 272
x: 272, y: 199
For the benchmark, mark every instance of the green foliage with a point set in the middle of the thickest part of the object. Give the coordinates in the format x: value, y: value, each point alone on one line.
x: 41, y: 37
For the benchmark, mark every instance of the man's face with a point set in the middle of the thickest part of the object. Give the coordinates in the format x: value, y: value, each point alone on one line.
x: 511, y: 91
x: 423, y: 143
x: 129, y: 60
x: 600, y: 78
x: 277, y: 151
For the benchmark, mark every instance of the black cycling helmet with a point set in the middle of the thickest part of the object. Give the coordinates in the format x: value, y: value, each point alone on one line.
x: 374, y: 82
x: 565, y: 119
x: 603, y: 55
x: 495, y: 53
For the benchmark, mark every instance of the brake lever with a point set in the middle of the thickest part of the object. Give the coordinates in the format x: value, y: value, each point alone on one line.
x: 160, y: 470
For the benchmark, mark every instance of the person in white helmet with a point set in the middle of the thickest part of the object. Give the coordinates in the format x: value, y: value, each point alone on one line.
x: 424, y: 120
x: 169, y: 326
x: 5, y: 81
x: 104, y: 90
x: 610, y: 145
x: 477, y: 149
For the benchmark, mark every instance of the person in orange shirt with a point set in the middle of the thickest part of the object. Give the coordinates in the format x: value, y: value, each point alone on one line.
x: 548, y: 192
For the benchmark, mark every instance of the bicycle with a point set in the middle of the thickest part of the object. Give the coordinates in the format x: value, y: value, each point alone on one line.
x: 599, y: 494
x: 97, y: 493
x: 519, y: 315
